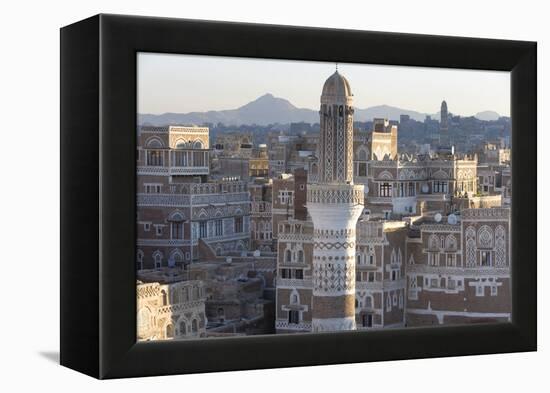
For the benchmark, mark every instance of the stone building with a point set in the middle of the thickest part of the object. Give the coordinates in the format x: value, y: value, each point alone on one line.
x: 380, y: 290
x: 234, y: 144
x: 288, y: 198
x: 459, y: 271
x: 261, y: 220
x: 401, y: 185
x: 178, y: 204
x: 169, y: 307
x: 424, y: 249
x: 382, y: 141
x: 380, y: 281
x: 259, y: 163
x: 290, y: 152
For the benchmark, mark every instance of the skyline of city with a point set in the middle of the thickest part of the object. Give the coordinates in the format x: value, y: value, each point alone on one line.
x: 165, y: 80
x: 335, y: 226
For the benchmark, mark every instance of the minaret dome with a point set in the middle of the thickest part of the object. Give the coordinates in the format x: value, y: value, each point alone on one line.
x: 336, y: 90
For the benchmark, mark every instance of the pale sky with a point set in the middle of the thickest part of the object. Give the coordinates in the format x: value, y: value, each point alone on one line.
x: 189, y: 83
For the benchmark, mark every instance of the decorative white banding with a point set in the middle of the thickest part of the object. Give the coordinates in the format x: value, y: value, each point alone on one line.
x: 335, y: 194
x: 333, y: 324
x: 333, y: 278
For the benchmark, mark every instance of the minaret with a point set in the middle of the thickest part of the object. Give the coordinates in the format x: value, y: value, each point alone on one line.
x: 444, y: 126
x: 334, y: 204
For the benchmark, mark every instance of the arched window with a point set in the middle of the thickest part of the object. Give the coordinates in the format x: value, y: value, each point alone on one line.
x: 177, y: 257
x: 433, y: 242
x: 183, y: 328
x: 485, y: 237
x: 470, y: 246
x: 197, y: 145
x: 144, y: 319
x: 450, y: 243
x: 314, y: 169
x: 288, y: 256
x: 362, y: 155
x: 157, y: 257
x: 300, y: 256
x: 195, y: 326
x: 372, y: 255
x: 181, y: 144
x: 176, y: 225
x: 139, y: 259
x: 169, y: 331
x: 154, y: 143
x: 500, y: 246
x: 164, y: 297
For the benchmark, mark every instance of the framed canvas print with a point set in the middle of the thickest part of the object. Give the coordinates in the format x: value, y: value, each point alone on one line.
x: 240, y: 196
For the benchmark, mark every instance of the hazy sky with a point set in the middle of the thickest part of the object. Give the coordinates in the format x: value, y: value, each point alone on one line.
x: 187, y: 83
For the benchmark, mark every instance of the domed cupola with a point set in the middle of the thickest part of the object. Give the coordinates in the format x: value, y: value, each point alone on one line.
x: 336, y: 90
x: 336, y: 136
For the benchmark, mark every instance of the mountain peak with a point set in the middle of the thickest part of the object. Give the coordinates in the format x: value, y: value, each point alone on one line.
x: 268, y: 103
x: 487, y: 115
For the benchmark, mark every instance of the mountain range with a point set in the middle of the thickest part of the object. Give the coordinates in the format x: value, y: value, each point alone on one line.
x: 269, y: 109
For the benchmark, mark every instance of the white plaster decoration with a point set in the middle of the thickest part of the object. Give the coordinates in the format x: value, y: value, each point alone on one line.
x: 500, y: 246
x: 470, y: 246
x: 333, y: 324
x: 485, y: 237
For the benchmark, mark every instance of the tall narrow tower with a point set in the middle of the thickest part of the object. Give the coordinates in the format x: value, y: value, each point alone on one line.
x: 444, y: 126
x: 334, y: 204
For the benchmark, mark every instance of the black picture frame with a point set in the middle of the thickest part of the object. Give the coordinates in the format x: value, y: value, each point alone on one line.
x: 98, y: 210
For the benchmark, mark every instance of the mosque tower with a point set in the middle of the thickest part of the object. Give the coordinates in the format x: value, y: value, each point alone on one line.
x: 335, y: 204
x: 444, y: 125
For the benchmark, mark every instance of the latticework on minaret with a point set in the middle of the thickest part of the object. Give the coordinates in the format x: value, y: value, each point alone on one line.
x: 334, y: 204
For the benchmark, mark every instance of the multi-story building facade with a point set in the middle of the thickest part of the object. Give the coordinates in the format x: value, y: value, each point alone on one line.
x: 288, y: 198
x: 426, y: 250
x: 380, y: 280
x: 261, y: 219
x: 178, y: 205
x: 169, y: 307
x: 459, y: 271
x: 409, y: 185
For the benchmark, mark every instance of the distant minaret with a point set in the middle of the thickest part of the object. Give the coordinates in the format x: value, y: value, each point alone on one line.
x: 444, y: 126
x: 334, y: 204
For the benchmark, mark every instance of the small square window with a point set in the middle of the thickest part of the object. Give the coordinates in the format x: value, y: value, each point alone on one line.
x: 147, y: 226
x: 158, y: 230
x: 494, y: 290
